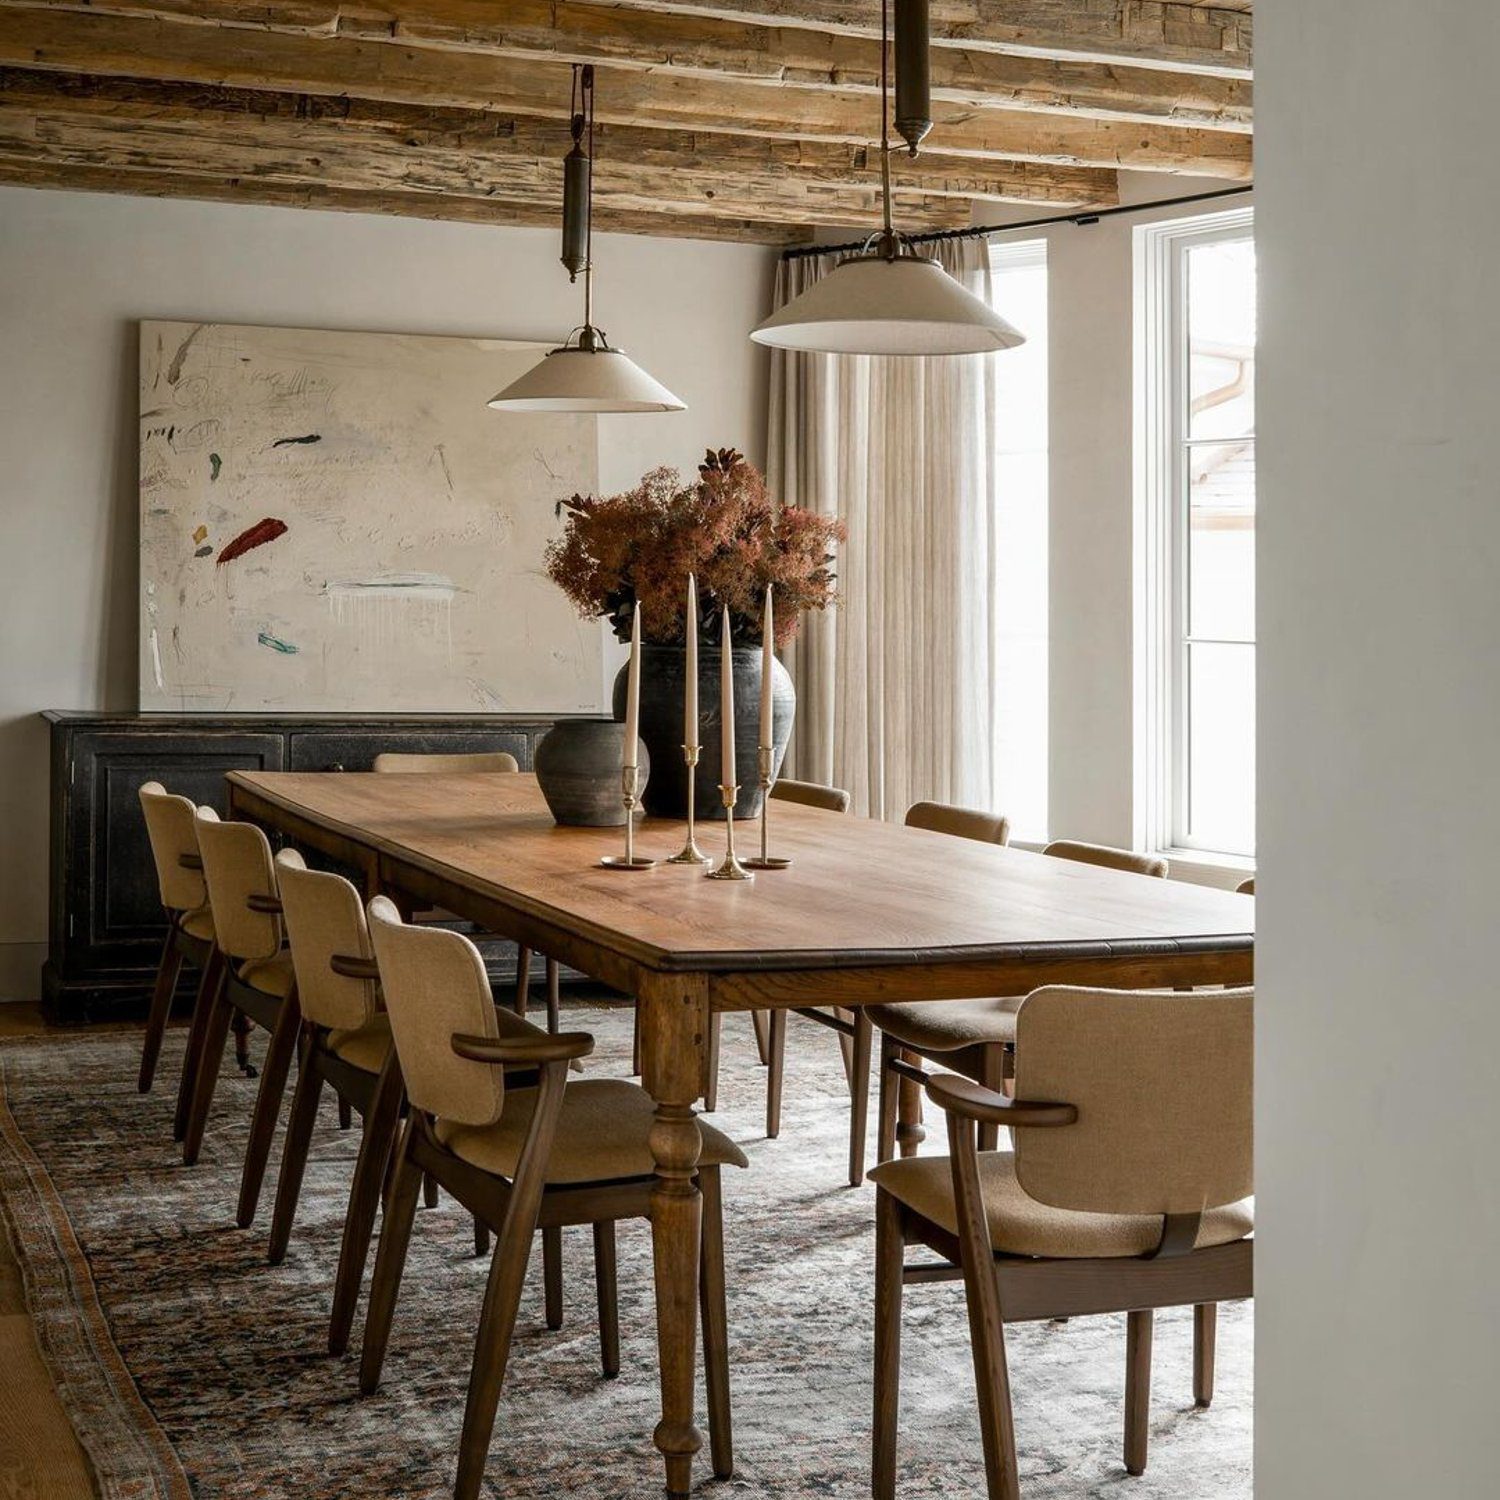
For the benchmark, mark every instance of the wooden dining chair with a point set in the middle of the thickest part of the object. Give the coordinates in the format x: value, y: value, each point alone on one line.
x: 184, y: 899
x: 971, y: 1037
x: 1246, y: 887
x: 1127, y: 1191
x: 555, y: 1154
x: 497, y: 762
x: 256, y: 981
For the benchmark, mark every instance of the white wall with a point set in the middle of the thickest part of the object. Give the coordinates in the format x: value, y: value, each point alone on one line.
x: 1378, y: 1332
x: 76, y: 273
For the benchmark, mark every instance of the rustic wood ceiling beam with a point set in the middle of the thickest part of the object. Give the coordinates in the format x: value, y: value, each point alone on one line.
x: 774, y: 168
x: 712, y: 48
x: 27, y: 171
x: 165, y: 51
x: 1190, y: 37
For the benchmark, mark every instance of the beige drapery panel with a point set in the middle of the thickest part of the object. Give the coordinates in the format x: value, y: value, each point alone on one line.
x: 895, y: 691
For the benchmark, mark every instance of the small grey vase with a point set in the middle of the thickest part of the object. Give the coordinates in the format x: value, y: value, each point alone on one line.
x: 577, y: 767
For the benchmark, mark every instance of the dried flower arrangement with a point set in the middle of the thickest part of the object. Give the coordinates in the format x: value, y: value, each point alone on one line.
x: 641, y: 546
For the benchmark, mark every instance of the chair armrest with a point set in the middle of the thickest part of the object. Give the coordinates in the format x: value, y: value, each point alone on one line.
x: 535, y: 1050
x: 190, y: 861
x: 268, y: 905
x: 350, y: 967
x: 962, y: 1096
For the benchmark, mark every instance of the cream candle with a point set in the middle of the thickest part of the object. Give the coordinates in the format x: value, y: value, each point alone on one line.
x: 690, y: 696
x: 767, y: 658
x: 726, y: 707
x: 630, y: 754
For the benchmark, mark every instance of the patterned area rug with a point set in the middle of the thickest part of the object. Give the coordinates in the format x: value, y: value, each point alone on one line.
x: 193, y: 1369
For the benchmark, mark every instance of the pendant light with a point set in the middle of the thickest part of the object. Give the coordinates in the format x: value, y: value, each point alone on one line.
x: 584, y: 374
x: 887, y: 299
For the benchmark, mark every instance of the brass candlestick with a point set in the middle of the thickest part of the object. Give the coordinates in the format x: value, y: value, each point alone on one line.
x: 691, y: 854
x: 765, y: 860
x: 731, y: 869
x: 630, y: 780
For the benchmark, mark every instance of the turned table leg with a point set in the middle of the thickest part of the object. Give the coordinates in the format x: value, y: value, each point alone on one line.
x: 674, y: 1042
x: 910, y: 1132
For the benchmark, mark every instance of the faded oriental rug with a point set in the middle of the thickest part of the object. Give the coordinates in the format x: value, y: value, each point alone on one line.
x: 192, y: 1369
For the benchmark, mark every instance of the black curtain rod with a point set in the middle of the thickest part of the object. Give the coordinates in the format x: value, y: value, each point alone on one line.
x: 983, y: 231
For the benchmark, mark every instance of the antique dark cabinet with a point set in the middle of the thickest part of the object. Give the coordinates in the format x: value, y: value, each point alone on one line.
x: 105, y: 923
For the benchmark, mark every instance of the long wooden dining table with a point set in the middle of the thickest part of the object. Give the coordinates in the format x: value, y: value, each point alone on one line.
x: 867, y: 912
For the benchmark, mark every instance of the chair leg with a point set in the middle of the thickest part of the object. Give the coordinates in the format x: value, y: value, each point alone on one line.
x: 364, y: 1198
x: 390, y: 1261
x: 554, y: 996
x: 210, y: 1056
x: 635, y: 1044
x: 429, y: 1191
x: 481, y: 1238
x: 715, y: 1040
x: 274, y: 1069
x: 859, y: 1096
x: 606, y: 1282
x: 885, y: 1146
x: 761, y: 1021
x: 523, y: 980
x: 890, y: 1251
x: 777, y: 1077
x: 208, y: 984
x: 299, y: 1129
x: 714, y: 1312
x: 242, y: 1026
x: 1138, y: 1330
x: 1205, y: 1340
x: 552, y: 1277
x: 167, y: 972
x: 846, y: 1045
x: 346, y: 1114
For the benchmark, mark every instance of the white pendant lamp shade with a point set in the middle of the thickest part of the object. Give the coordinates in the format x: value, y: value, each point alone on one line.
x: 585, y: 380
x: 878, y: 304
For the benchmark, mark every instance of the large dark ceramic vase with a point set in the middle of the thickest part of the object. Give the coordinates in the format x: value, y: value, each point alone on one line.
x: 578, y: 769
x: 663, y: 678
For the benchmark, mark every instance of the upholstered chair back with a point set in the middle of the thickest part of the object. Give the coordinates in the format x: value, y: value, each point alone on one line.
x: 169, y: 826
x: 963, y: 822
x: 1162, y: 1083
x: 325, y: 917
x: 435, y: 985
x: 450, y: 765
x: 1111, y: 859
x: 812, y: 794
x: 237, y: 865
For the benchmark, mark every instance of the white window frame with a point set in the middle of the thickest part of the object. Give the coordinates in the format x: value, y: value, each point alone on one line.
x: 1161, y: 486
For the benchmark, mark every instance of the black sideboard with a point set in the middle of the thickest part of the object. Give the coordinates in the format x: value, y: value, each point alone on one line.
x: 105, y: 924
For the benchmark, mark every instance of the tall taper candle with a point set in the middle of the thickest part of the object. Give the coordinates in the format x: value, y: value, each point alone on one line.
x: 726, y: 708
x: 630, y: 755
x: 768, y: 631
x: 690, y: 698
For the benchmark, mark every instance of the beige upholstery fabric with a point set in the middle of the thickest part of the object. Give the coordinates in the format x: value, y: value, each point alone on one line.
x: 450, y: 765
x: 1019, y: 1225
x: 169, y: 826
x: 812, y: 794
x: 1162, y: 1083
x: 198, y: 924
x: 435, y: 986
x: 365, y: 1046
x: 271, y: 976
x: 602, y: 1135
x: 962, y: 822
x: 236, y: 865
x: 1112, y: 859
x: 324, y: 916
x: 946, y: 1025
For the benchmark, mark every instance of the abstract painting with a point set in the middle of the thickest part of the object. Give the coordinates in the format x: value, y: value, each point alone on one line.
x: 336, y: 521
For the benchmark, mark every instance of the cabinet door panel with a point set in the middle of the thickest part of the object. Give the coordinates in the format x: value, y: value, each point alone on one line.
x: 355, y: 749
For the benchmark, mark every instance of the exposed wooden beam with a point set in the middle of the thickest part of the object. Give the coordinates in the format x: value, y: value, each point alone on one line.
x: 165, y: 51
x: 1191, y: 37
x: 26, y: 171
x: 712, y: 48
x: 701, y: 163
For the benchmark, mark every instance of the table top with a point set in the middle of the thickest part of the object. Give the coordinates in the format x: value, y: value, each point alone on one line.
x: 858, y: 891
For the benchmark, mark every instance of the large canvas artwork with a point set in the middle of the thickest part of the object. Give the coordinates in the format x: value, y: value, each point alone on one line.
x: 335, y: 521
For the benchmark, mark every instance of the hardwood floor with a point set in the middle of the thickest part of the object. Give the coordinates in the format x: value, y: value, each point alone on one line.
x: 40, y: 1458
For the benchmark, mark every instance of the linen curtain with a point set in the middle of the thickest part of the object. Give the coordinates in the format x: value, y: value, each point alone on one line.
x: 895, y: 690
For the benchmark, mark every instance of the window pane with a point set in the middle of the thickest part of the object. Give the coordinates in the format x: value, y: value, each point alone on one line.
x: 1220, y: 279
x: 1221, y: 747
x: 1221, y: 540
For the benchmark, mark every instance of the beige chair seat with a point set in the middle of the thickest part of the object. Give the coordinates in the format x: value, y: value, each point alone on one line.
x: 365, y: 1047
x: 947, y: 1025
x: 602, y: 1135
x: 198, y: 924
x: 1019, y: 1225
x: 271, y: 976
